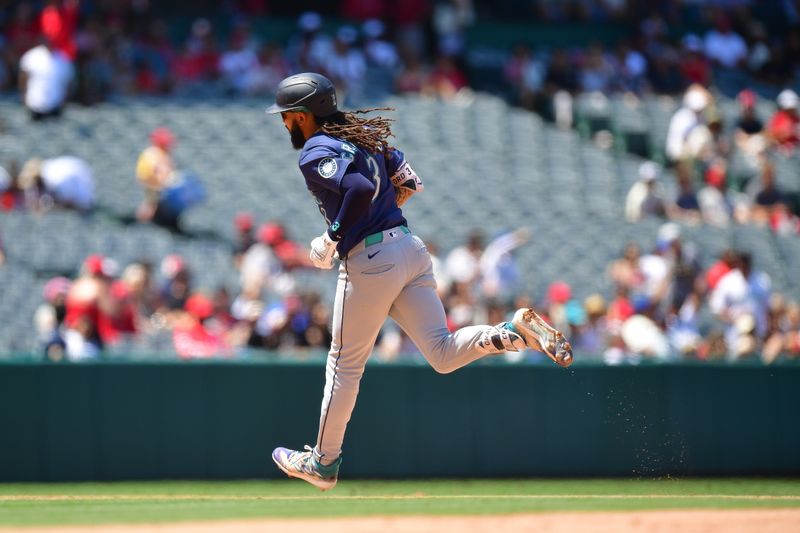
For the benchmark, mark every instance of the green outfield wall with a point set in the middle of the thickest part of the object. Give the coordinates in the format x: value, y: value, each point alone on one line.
x: 109, y: 421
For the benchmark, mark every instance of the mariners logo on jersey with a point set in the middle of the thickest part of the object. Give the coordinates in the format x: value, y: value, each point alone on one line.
x: 327, y: 167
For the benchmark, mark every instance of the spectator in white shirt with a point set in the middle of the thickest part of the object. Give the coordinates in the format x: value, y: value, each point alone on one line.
x: 67, y: 180
x: 44, y: 80
x: 238, y: 64
x: 685, y: 120
x: 724, y: 46
x: 644, y: 198
x: 347, y: 65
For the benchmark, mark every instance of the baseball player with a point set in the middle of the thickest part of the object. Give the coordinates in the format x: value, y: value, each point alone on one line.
x: 359, y: 183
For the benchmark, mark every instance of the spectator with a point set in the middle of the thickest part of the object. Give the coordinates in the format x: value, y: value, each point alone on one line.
x: 239, y: 64
x: 684, y: 121
x: 199, y: 60
x: 748, y: 136
x: 499, y: 273
x: 378, y: 51
x: 559, y: 295
x: 271, y: 69
x: 597, y: 73
x: 120, y: 320
x: 49, y: 318
x: 766, y: 197
x: 525, y: 74
x: 463, y: 262
x: 686, y: 207
x: 446, y: 80
x: 155, y: 171
x: 59, y: 21
x: 625, y: 272
x: 408, y: 19
x: 177, y: 285
x: 290, y: 254
x: 65, y: 181
x: 664, y: 74
x: 450, y: 20
x: 87, y: 303
x: 44, y: 80
x: 593, y: 336
x: 644, y: 199
x: 22, y: 31
x: 145, y: 298
x: 784, y: 126
x: 716, y: 206
x: 561, y: 73
x: 643, y: 338
x: 11, y: 194
x: 262, y: 266
x: 739, y: 301
x: 634, y: 68
x: 656, y: 275
x: 191, y: 338
x: 245, y: 238
x: 723, y: 265
x: 694, y: 66
x: 309, y: 50
x: 724, y: 46
x: 412, y: 76
x: 346, y: 65
x: 81, y: 340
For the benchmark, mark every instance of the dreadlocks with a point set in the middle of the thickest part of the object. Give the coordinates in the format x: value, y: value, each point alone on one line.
x: 369, y: 133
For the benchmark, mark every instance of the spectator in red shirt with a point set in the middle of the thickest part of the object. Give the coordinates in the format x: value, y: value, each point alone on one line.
x: 89, y: 297
x: 289, y: 253
x: 120, y: 317
x: 190, y: 336
x: 58, y: 23
x: 716, y: 271
x: 784, y: 126
x: 447, y: 79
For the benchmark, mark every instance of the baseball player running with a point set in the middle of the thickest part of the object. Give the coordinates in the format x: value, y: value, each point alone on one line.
x: 359, y: 183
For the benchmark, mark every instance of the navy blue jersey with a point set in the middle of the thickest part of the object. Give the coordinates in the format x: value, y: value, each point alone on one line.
x: 326, y: 159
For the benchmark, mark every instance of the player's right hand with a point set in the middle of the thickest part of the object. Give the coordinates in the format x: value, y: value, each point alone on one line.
x: 322, y: 251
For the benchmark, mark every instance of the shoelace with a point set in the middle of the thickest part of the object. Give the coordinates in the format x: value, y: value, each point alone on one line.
x: 303, y: 460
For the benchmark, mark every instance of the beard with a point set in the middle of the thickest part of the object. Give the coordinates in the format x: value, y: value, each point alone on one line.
x: 298, y: 139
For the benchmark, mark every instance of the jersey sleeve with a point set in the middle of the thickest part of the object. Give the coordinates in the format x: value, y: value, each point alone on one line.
x: 394, y: 161
x: 324, y: 166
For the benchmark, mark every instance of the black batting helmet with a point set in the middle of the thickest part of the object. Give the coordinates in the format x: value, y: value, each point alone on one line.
x: 308, y: 91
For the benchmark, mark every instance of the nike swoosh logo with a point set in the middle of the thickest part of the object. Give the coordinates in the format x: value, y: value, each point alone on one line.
x: 370, y: 256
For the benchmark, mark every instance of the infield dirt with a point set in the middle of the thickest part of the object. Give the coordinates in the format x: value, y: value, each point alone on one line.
x: 685, y: 521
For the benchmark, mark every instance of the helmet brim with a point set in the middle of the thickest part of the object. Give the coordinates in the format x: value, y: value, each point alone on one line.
x: 278, y: 108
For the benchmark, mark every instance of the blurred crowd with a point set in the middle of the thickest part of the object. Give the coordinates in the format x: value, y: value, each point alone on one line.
x: 664, y: 305
x: 158, y: 309
x: 653, y: 59
x: 726, y: 175
x: 92, y: 50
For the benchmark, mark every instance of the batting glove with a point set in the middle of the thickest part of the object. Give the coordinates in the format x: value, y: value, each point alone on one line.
x: 322, y: 250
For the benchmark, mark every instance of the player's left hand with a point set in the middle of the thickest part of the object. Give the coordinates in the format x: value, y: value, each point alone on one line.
x: 323, y: 249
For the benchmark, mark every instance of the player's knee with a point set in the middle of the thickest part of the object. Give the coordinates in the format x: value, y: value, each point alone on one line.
x: 441, y: 366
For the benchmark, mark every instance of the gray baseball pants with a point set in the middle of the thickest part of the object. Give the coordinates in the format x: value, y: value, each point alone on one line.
x: 391, y: 278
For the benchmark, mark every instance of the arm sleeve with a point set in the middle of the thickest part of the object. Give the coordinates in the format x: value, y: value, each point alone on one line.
x: 394, y: 160
x: 357, y: 193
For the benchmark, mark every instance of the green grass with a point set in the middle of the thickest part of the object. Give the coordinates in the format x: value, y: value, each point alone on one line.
x: 97, y: 503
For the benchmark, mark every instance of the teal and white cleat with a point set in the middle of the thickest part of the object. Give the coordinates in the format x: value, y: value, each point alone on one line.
x: 304, y: 465
x: 539, y: 335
